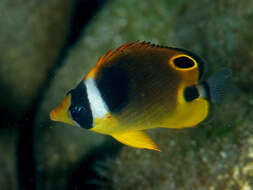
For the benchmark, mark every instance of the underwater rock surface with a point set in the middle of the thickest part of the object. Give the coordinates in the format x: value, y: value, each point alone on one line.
x: 61, y: 150
x: 215, y: 155
x: 31, y: 37
x: 60, y: 147
x: 8, y: 165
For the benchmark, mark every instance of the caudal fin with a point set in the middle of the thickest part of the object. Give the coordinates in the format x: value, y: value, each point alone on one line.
x: 217, y: 85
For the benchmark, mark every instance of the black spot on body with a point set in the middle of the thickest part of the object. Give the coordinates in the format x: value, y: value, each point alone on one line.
x: 113, y: 84
x: 191, y: 93
x: 80, y: 107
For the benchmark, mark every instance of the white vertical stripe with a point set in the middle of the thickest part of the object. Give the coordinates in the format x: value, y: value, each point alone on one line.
x: 98, y: 107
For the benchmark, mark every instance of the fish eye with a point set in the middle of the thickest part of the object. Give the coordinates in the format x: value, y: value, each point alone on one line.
x: 77, y: 112
x: 183, y: 62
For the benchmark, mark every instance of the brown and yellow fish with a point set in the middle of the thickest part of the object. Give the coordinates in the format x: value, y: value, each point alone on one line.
x: 141, y: 86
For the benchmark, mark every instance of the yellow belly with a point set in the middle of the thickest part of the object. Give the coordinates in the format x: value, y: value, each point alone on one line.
x: 185, y: 115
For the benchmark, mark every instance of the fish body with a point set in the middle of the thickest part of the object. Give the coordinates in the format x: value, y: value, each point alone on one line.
x: 141, y: 86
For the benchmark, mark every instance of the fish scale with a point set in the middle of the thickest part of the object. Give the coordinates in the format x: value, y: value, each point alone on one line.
x: 142, y: 86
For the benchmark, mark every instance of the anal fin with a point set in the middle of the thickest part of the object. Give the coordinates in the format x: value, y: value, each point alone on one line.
x: 136, y: 139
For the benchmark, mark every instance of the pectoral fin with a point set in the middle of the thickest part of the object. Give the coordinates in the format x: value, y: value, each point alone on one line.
x: 137, y: 139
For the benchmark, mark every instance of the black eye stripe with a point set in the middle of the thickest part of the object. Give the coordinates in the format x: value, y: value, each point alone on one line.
x: 76, y: 110
x: 80, y: 107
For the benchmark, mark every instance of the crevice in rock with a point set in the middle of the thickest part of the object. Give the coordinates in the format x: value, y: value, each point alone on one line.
x: 83, y: 12
x: 93, y: 171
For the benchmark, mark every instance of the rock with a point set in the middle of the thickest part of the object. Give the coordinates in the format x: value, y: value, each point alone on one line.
x: 8, y: 174
x: 219, y: 32
x: 60, y: 149
x: 217, y: 155
x: 31, y: 37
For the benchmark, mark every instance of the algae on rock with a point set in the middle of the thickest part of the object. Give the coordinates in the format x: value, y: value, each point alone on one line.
x: 217, y: 155
x: 32, y: 35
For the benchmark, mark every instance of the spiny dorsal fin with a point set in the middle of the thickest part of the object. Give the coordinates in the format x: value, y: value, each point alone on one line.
x: 127, y: 46
x: 123, y: 48
x: 110, y: 53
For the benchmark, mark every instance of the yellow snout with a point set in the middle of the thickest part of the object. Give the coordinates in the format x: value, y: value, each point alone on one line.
x: 60, y: 113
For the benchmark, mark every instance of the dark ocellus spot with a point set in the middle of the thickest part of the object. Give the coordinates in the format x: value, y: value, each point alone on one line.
x: 201, y: 62
x: 183, y: 62
x: 80, y: 107
x: 113, y: 84
x: 191, y: 93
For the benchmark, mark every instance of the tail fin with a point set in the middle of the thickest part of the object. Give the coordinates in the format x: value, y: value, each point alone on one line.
x: 216, y: 86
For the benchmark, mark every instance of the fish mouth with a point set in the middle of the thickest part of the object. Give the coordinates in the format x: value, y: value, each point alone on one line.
x: 53, y: 116
x: 60, y: 113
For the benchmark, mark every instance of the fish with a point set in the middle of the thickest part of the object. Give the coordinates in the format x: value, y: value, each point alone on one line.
x: 142, y: 86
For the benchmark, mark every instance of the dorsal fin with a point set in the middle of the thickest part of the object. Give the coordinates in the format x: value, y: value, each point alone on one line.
x: 143, y: 45
x: 123, y: 48
x: 127, y: 46
x: 111, y: 53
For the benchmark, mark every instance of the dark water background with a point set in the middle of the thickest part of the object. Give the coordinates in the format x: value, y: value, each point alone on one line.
x: 48, y: 46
